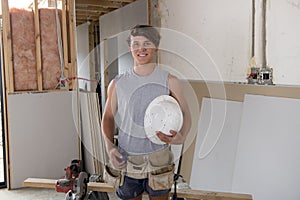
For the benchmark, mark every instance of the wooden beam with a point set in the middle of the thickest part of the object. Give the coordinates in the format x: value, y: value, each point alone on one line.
x: 38, y: 46
x: 123, y: 1
x: 40, y: 183
x: 65, y: 38
x: 181, y: 193
x: 87, y: 14
x: 72, y: 25
x: 103, y: 3
x: 93, y: 9
x: 8, y: 60
x: 208, y: 195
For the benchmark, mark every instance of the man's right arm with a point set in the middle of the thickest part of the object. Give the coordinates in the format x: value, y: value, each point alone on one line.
x: 108, y: 125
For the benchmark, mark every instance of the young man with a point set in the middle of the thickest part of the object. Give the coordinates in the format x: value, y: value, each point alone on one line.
x: 149, y: 167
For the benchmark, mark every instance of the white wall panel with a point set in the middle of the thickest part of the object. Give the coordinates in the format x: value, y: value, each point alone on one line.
x: 216, y: 145
x: 267, y: 161
x: 43, y: 135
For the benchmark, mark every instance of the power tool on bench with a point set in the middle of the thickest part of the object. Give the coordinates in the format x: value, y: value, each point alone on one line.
x: 75, y: 182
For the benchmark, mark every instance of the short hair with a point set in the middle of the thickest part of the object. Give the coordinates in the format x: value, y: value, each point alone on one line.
x: 147, y: 31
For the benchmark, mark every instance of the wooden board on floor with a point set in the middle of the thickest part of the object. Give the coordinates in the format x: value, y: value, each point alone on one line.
x: 181, y: 193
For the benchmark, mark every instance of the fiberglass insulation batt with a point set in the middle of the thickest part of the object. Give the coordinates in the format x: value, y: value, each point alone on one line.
x: 24, y: 49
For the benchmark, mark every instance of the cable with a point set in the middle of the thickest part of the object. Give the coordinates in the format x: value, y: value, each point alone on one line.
x: 75, y: 78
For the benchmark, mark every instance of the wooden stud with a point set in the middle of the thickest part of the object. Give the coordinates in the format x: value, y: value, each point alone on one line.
x: 92, y: 55
x: 38, y: 46
x: 65, y: 38
x: 8, y: 60
x: 72, y: 25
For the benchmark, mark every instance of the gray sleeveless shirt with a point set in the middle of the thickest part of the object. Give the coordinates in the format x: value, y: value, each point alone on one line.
x: 134, y: 94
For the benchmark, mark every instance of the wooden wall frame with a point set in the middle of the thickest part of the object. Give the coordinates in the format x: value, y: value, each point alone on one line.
x: 68, y: 27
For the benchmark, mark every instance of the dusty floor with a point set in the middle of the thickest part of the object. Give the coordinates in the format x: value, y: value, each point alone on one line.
x: 36, y: 194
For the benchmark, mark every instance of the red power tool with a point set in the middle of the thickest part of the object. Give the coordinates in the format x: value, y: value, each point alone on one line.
x: 75, y: 180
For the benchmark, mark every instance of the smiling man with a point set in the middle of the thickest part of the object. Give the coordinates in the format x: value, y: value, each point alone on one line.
x: 146, y: 166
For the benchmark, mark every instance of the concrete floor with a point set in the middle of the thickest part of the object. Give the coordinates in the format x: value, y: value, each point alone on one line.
x: 37, y: 194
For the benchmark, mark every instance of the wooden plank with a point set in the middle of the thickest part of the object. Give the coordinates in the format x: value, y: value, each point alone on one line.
x: 65, y: 37
x: 99, y: 148
x: 39, y: 183
x: 102, y: 3
x: 122, y: 1
x: 8, y: 60
x: 100, y: 187
x: 181, y: 193
x: 38, y: 46
x: 93, y: 9
x: 207, y: 195
x: 72, y: 26
x: 92, y: 131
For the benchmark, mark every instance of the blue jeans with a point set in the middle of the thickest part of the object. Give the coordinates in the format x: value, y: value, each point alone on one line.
x: 132, y: 188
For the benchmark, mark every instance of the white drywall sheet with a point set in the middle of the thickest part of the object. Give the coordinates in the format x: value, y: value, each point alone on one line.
x: 267, y: 161
x: 216, y: 145
x: 43, y: 136
x: 83, y: 55
x: 86, y: 132
x: 123, y: 19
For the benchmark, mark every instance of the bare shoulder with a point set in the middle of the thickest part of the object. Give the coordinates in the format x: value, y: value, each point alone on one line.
x: 111, y: 87
x: 174, y: 82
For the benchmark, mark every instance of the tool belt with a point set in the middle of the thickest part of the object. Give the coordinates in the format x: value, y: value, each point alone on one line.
x: 158, y: 167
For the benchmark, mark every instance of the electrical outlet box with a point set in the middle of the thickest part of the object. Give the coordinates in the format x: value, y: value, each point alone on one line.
x: 63, y: 84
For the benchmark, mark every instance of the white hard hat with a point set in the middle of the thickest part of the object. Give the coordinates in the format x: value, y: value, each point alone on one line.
x: 163, y: 114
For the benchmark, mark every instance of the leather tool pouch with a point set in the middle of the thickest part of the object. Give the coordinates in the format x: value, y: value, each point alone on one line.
x: 161, y: 173
x: 113, y: 176
x: 136, y: 167
x: 162, y: 179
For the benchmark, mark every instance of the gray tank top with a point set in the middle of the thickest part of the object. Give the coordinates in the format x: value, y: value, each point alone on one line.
x: 134, y: 94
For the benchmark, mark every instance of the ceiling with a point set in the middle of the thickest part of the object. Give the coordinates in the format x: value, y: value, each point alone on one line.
x: 91, y: 10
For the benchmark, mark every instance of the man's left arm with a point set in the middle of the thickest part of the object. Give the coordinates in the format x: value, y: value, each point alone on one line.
x: 176, y: 90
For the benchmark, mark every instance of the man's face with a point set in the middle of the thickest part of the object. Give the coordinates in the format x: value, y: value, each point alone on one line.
x: 142, y: 50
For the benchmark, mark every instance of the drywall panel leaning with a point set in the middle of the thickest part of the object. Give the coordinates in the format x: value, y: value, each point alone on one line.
x: 216, y: 145
x: 43, y: 136
x: 93, y: 145
x: 267, y: 161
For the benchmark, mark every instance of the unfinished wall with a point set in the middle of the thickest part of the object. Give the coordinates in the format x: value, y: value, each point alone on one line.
x: 24, y: 49
x: 224, y: 30
x: 208, y: 39
x: 20, y: 37
x: 51, y: 67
